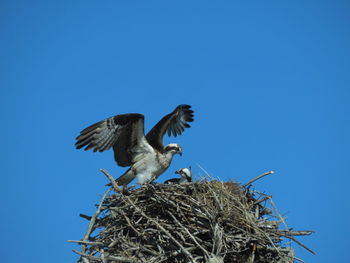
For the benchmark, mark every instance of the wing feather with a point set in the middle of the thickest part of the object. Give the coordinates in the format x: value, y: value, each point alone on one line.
x: 131, y: 144
x: 124, y: 130
x: 173, y: 124
x: 125, y: 133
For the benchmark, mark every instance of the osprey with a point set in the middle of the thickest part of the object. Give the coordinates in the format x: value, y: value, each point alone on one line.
x: 186, y: 177
x: 146, y: 155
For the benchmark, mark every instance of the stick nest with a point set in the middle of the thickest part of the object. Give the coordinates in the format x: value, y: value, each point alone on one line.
x: 205, y: 221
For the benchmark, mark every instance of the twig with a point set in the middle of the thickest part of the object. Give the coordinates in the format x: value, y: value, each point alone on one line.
x: 302, y: 261
x: 129, y: 223
x: 162, y: 228
x: 86, y: 242
x: 252, y: 254
x: 257, y: 178
x: 87, y: 256
x: 279, y: 215
x: 111, y: 179
x: 217, y: 240
x: 262, y: 200
x: 188, y: 232
x: 85, y: 217
x: 207, y: 174
x: 92, y: 221
x: 297, y: 233
x: 300, y: 244
x: 120, y: 259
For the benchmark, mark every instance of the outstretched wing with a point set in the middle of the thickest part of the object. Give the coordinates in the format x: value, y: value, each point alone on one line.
x: 131, y: 144
x: 174, y: 124
x: 123, y: 132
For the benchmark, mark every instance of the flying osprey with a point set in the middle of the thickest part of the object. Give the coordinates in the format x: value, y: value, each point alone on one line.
x: 146, y: 155
x: 186, y: 177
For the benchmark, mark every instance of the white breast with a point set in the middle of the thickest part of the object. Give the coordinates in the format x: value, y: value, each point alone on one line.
x: 150, y: 166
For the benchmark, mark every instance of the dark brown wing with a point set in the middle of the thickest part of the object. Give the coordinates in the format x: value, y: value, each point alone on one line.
x: 131, y: 143
x: 173, y: 123
x: 102, y: 135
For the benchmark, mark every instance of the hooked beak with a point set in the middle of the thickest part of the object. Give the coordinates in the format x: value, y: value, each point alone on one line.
x: 179, y: 152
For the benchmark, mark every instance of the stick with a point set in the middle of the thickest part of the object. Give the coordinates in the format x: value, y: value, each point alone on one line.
x: 262, y: 200
x: 93, y: 218
x: 92, y: 222
x: 257, y: 178
x: 87, y: 256
x: 207, y: 174
x: 299, y: 259
x: 279, y: 215
x: 161, y: 228
x: 252, y: 255
x: 86, y: 242
x: 114, y: 184
x: 188, y: 232
x: 129, y: 223
x: 297, y: 233
x: 299, y: 243
x: 85, y: 217
x: 120, y: 259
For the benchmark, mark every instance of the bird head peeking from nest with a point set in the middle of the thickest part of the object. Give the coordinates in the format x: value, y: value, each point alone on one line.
x: 186, y: 177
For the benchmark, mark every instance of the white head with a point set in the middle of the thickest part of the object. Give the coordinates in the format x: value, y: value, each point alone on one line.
x: 173, y: 148
x: 186, y: 173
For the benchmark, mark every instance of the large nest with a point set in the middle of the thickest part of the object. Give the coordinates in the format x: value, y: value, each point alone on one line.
x: 205, y: 221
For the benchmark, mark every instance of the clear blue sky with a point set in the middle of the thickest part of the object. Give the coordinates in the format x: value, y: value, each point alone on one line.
x: 269, y: 82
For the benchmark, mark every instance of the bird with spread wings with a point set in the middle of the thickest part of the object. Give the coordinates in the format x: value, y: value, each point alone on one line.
x: 146, y: 155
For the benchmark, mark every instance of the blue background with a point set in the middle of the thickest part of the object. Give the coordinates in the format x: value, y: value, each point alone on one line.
x: 268, y: 80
